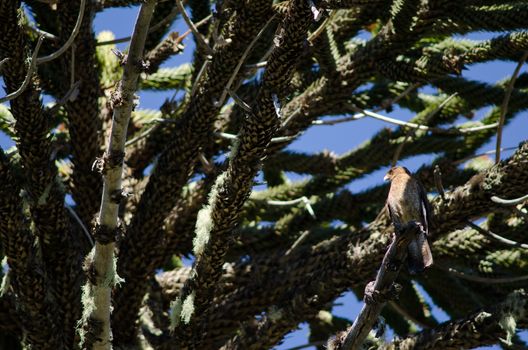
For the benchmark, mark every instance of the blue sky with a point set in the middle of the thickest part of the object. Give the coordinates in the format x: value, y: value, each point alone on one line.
x: 338, y: 139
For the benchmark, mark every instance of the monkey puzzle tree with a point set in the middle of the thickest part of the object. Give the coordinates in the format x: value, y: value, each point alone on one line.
x: 148, y: 187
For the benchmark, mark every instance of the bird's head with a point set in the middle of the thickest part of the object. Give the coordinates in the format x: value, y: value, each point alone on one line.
x: 395, y: 171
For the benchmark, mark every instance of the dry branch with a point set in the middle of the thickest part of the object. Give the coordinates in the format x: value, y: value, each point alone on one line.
x: 100, y: 263
x: 378, y: 292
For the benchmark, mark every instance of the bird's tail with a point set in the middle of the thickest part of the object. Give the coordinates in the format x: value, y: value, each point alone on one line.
x: 419, y: 255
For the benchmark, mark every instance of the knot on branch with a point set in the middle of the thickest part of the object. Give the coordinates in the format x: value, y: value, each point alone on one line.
x: 91, y: 333
x: 373, y: 296
x: 118, y: 195
x: 108, y: 161
x: 117, y: 99
x: 120, y: 56
x: 105, y: 235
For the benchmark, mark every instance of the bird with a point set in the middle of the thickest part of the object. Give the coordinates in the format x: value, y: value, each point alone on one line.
x: 406, y: 202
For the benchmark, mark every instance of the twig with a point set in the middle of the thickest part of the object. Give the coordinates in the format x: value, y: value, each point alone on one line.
x: 2, y: 62
x: 457, y: 130
x: 81, y: 224
x: 70, y: 40
x: 100, y: 263
x: 378, y: 292
x: 404, y: 93
x: 70, y: 95
x: 298, y: 241
x: 256, y: 65
x: 460, y: 161
x: 199, y: 38
x: 399, y: 309
x: 438, y: 181
x: 29, y: 74
x: 199, y: 75
x: 497, y: 237
x: 278, y: 139
x: 384, y: 105
x: 240, y: 102
x: 72, y: 66
x: 319, y: 30
x: 505, y: 102
x: 206, y: 164
x: 41, y: 32
x: 479, y: 279
x: 281, y: 139
x: 290, y: 118
x: 220, y: 102
x: 302, y: 199
x: 515, y: 201
x: 427, y: 118
x: 153, y: 29
x: 219, y: 40
x: 140, y: 136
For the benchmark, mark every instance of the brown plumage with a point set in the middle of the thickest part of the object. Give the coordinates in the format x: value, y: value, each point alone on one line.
x: 407, y: 201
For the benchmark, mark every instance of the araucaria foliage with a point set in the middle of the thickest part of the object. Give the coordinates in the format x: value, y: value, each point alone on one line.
x: 101, y: 199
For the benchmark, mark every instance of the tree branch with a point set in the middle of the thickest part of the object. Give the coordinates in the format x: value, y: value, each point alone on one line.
x: 504, y: 105
x: 29, y: 74
x: 100, y: 263
x: 70, y: 40
x: 378, y: 292
x: 488, y: 326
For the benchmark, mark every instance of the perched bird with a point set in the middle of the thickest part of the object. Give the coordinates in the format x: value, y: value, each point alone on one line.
x: 407, y: 201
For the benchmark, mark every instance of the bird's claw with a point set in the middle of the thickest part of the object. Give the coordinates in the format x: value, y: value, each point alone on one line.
x: 373, y: 296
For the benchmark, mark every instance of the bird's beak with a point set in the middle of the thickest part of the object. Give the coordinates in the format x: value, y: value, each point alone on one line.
x: 386, y: 177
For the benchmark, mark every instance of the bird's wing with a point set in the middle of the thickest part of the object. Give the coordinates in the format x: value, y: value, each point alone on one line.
x: 393, y: 214
x: 425, y: 206
x: 390, y: 211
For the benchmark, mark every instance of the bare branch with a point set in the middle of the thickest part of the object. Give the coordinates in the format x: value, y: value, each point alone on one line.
x: 509, y: 201
x: 96, y: 331
x: 239, y: 102
x: 81, y: 224
x: 497, y: 237
x: 364, y: 113
x: 320, y: 29
x: 160, y: 24
x: 302, y: 199
x: 298, y: 241
x: 41, y: 32
x: 278, y: 139
x: 486, y: 280
x: 199, y: 76
x: 378, y: 292
x: 199, y: 38
x: 505, y: 102
x: 2, y: 62
x: 473, y: 156
x: 29, y: 74
x: 386, y: 104
x: 140, y: 136
x: 70, y: 40
x: 231, y: 80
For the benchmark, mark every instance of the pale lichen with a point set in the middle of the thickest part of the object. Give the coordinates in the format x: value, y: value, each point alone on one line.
x: 175, y: 313
x: 188, y: 308
x: 204, y: 221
